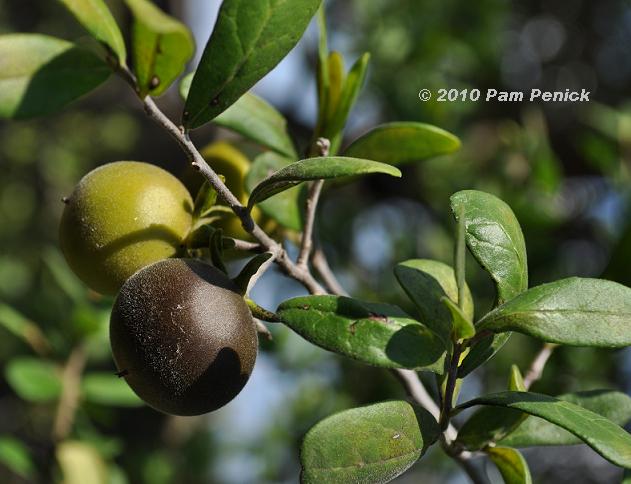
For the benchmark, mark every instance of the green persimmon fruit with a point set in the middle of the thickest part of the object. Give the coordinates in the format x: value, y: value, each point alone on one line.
x: 121, y: 217
x: 183, y: 337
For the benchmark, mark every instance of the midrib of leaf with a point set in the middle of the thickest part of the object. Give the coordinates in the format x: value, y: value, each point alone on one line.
x: 560, y: 310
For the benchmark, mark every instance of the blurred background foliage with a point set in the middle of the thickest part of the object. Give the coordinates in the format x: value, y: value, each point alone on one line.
x: 564, y: 168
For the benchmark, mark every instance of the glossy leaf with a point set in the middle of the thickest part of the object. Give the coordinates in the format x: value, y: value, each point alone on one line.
x: 375, y: 334
x: 495, y: 239
x: 484, y: 350
x: 242, y: 281
x: 511, y: 464
x: 574, y: 311
x: 326, y: 167
x: 366, y: 444
x: 426, y: 282
x: 248, y: 41
x: 41, y: 74
x: 15, y: 456
x: 286, y: 207
x: 535, y: 431
x: 96, y: 18
x: 487, y: 425
x: 255, y: 119
x: 462, y: 326
x: 108, y: 389
x: 403, y: 142
x: 25, y: 329
x: 162, y: 46
x: 605, y: 437
x: 34, y: 379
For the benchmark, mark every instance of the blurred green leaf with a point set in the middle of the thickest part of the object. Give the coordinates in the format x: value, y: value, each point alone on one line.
x: 96, y: 18
x: 335, y: 63
x: 516, y: 380
x: 34, y: 379
x: 495, y: 239
x: 216, y: 250
x: 41, y: 74
x: 426, y: 282
x: 81, y: 463
x: 574, y: 311
x: 605, y: 437
x: 248, y: 41
x: 626, y: 477
x: 462, y: 326
x: 403, y: 142
x: 511, y: 464
x: 375, y: 443
x: 25, y: 329
x: 612, y: 405
x: 205, y: 200
x: 108, y: 389
x: 16, y: 457
x: 162, y: 46
x: 375, y: 334
x: 285, y: 207
x: 326, y: 167
x: 257, y: 120
x: 63, y: 275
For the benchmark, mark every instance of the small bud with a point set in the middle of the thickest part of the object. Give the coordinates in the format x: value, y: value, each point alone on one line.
x: 155, y: 82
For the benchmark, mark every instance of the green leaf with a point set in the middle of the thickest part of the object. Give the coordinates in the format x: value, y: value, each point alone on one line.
x: 403, y: 142
x: 260, y: 122
x: 216, y: 250
x: 41, y: 74
x: 336, y: 81
x: 605, y: 437
x: 242, y: 281
x: 326, y: 167
x: 108, y: 389
x: 16, y: 457
x: 248, y: 41
x: 426, y: 282
x: 462, y: 326
x: 487, y: 425
x: 516, y: 380
x: 573, y: 311
x: 205, y: 200
x: 376, y: 334
x: 323, y: 79
x: 366, y: 444
x: 33, y: 379
x: 96, y: 18
x: 495, y: 239
x: 162, y: 46
x: 511, y: 464
x: 253, y: 118
x: 25, y: 329
x: 285, y: 207
x: 535, y: 431
x: 484, y: 350
x: 347, y: 99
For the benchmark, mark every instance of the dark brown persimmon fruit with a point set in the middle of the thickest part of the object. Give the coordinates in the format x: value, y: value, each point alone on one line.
x: 183, y: 337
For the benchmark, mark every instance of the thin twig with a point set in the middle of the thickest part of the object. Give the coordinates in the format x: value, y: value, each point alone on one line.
x: 300, y: 274
x: 450, y: 387
x: 311, y: 206
x: 259, y: 273
x: 70, y: 393
x: 243, y: 245
x: 538, y: 364
x: 321, y: 265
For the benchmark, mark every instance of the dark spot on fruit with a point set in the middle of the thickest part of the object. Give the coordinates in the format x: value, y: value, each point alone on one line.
x: 352, y: 328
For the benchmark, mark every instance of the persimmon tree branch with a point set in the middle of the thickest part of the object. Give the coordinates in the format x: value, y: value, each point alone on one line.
x: 70, y: 393
x: 538, y: 364
x: 301, y: 274
x: 311, y: 205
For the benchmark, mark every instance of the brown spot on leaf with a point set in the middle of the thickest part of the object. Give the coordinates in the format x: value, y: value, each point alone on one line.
x: 382, y: 318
